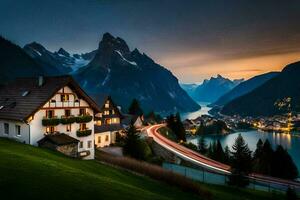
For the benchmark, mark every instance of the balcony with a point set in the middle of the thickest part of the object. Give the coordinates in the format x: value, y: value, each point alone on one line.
x: 68, y: 119
x: 84, y: 118
x: 53, y: 121
x: 83, y: 133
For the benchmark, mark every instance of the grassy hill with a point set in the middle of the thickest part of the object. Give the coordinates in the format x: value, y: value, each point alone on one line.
x: 28, y: 172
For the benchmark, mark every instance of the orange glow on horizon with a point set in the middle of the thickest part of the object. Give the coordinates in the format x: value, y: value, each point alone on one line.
x: 187, y: 69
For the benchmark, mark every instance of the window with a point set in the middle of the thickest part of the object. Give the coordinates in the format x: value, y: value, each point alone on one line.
x: 99, y: 139
x: 106, y: 112
x: 81, y: 145
x: 50, y: 129
x: 18, y: 130
x: 98, y: 122
x: 106, y: 138
x: 82, y: 111
x: 107, y: 121
x: 82, y: 127
x: 115, y: 120
x: 6, y: 128
x: 89, y: 144
x: 67, y: 112
x: 64, y: 97
x: 68, y: 127
x: 113, y: 112
x: 49, y: 113
x: 106, y: 104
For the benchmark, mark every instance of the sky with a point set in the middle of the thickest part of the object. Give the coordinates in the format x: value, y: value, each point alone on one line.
x: 192, y: 38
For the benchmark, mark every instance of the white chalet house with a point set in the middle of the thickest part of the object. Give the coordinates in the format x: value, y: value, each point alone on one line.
x: 52, y: 112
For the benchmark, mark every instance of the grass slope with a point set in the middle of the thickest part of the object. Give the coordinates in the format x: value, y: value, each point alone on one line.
x: 28, y: 172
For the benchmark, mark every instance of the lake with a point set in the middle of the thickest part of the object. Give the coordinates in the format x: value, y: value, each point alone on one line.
x: 289, y: 141
x: 193, y: 115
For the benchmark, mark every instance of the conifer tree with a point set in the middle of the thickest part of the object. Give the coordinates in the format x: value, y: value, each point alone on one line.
x: 202, y: 146
x: 134, y: 108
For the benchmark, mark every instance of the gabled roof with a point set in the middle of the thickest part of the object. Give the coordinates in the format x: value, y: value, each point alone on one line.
x: 59, y: 139
x: 23, y: 97
x: 101, y: 98
x: 128, y: 119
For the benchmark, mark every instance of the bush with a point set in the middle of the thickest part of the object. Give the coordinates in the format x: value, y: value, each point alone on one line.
x: 190, y: 146
x: 84, y: 119
x: 83, y: 133
x: 145, y: 152
x: 154, y: 172
x: 50, y: 121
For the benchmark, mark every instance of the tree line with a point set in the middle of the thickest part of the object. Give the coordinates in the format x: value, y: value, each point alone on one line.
x: 265, y: 160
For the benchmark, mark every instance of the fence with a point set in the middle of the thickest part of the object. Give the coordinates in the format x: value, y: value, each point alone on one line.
x: 206, y: 176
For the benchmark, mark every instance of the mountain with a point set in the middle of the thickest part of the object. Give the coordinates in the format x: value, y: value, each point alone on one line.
x: 14, y: 62
x: 59, y: 62
x: 262, y: 100
x: 189, y: 88
x: 244, y: 88
x: 210, y: 90
x: 126, y: 74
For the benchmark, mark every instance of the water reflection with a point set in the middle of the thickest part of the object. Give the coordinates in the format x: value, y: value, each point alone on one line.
x: 289, y: 141
x: 193, y: 115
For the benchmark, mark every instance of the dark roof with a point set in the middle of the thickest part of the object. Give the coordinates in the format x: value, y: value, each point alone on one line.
x: 58, y: 139
x: 107, y: 127
x: 129, y: 118
x: 18, y: 106
x: 100, y: 98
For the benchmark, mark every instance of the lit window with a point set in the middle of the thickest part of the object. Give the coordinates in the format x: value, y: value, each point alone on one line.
x: 82, y: 126
x: 106, y: 138
x: 89, y: 144
x: 81, y: 145
x: 107, y: 104
x: 107, y: 121
x: 64, y: 97
x: 50, y: 129
x: 99, y: 139
x: 18, y: 130
x: 99, y: 122
x: 68, y: 127
x: 106, y: 112
x: 113, y: 112
x: 6, y: 128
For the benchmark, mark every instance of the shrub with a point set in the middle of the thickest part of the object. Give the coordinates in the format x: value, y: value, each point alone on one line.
x: 50, y: 121
x: 83, y: 133
x: 155, y: 172
x: 84, y: 119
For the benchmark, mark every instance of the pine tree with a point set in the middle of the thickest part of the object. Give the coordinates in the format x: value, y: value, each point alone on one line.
x: 131, y: 142
x: 241, y: 162
x: 202, y: 146
x: 227, y: 155
x: 259, y: 149
x: 134, y: 108
x: 179, y: 128
x: 283, y: 165
x: 219, y: 153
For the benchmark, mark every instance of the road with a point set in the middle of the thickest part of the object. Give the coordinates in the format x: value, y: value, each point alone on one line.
x: 207, y: 163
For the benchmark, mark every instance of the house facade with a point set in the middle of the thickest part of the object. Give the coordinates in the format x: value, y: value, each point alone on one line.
x: 107, y: 122
x: 49, y: 111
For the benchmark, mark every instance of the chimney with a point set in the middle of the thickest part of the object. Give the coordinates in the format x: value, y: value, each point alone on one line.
x: 41, y: 81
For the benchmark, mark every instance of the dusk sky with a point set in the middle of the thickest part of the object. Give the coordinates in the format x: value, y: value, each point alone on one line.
x: 192, y: 38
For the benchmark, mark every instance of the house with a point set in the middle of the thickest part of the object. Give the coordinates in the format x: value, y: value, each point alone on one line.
x: 108, y: 121
x: 49, y: 111
x: 190, y: 126
x: 138, y: 121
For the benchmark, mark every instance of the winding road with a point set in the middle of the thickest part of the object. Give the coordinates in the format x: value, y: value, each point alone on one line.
x: 207, y: 163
